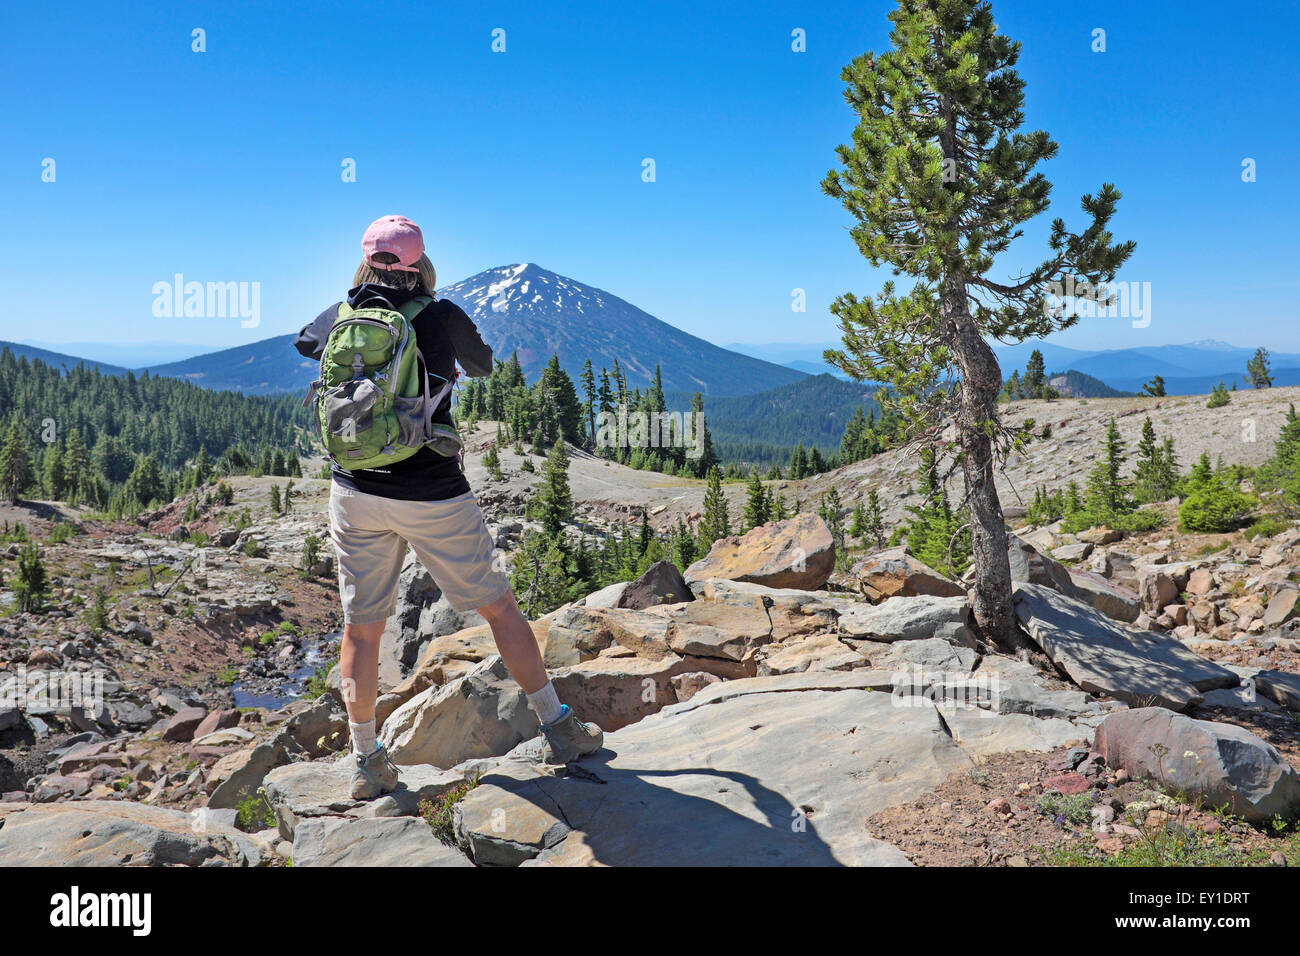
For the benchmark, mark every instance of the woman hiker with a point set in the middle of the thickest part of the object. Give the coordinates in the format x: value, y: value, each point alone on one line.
x: 422, y: 500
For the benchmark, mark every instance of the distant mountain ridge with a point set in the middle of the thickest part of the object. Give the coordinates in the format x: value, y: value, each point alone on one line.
x: 537, y: 313
x: 1192, y: 368
x: 522, y: 308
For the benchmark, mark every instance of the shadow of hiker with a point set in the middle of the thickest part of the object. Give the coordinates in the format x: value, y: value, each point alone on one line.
x: 709, y: 817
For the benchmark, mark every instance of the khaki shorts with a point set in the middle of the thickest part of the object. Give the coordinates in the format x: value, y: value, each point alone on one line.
x: 450, y: 538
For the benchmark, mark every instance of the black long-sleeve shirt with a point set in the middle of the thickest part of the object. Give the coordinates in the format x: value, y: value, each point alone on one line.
x: 445, y: 335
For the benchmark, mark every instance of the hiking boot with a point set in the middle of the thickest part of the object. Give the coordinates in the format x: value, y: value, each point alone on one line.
x: 568, y: 738
x: 373, y: 775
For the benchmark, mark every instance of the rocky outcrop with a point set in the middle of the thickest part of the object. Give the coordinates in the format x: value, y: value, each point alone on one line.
x: 1104, y: 657
x: 795, y: 553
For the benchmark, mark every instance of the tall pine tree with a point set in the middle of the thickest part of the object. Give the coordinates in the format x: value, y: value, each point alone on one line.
x: 939, y: 178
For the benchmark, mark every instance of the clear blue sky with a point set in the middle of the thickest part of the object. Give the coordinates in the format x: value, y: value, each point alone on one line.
x: 225, y: 165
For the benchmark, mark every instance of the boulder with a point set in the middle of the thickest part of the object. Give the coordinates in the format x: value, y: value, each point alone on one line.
x: 661, y: 583
x: 1156, y: 589
x: 1281, y: 687
x: 1105, y: 657
x: 732, y: 630
x: 482, y: 714
x: 1217, y: 764
x: 401, y: 640
x: 319, y: 727
x: 1200, y: 582
x: 896, y: 573
x: 392, y: 841
x: 180, y: 728
x: 1281, y: 607
x: 903, y: 618
x: 117, y: 832
x: 217, y: 720
x: 1072, y: 552
x: 579, y: 633
x: 606, y: 596
x: 243, y: 772
x: 795, y: 553
x: 817, y: 652
x: 1029, y: 565
x: 1115, y: 602
x: 613, y: 692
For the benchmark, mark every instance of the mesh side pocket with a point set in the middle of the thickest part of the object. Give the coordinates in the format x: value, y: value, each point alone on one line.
x: 349, y: 408
x: 410, y: 415
x: 445, y: 441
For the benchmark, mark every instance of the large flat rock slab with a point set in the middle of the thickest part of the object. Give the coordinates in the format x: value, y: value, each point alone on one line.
x: 397, y: 841
x: 1103, y: 656
x: 321, y: 788
x: 783, y: 775
x: 119, y: 833
x: 903, y: 618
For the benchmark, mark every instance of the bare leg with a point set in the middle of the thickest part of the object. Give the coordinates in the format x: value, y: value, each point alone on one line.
x: 359, y: 666
x: 515, y: 642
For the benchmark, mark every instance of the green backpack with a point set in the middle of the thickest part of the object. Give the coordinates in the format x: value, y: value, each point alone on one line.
x: 373, y: 406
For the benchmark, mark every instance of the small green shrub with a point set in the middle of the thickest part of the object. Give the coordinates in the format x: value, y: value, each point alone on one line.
x: 253, y: 811
x: 1216, y: 507
x: 437, y: 813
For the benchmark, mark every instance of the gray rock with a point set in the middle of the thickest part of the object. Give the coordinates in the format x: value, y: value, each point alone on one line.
x: 130, y: 714
x: 482, y: 714
x: 1104, y: 657
x: 661, y: 583
x: 10, y: 717
x: 1113, y: 601
x: 246, y: 776
x: 117, y: 833
x: 1245, y: 697
x: 771, y: 773
x: 1218, y: 764
x: 1028, y: 565
x: 1281, y: 687
x: 605, y: 597
x: 902, y: 618
x: 398, y: 841
x: 399, y: 647
x: 1072, y: 552
x: 305, y: 790
x: 320, y: 726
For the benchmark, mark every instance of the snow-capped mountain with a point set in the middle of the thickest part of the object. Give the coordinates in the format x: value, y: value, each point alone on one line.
x: 537, y: 312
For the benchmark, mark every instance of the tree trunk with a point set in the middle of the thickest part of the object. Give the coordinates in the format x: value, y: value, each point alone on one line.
x: 981, y: 381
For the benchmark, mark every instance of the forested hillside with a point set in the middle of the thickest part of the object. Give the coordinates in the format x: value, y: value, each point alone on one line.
x: 763, y: 428
x: 123, y: 441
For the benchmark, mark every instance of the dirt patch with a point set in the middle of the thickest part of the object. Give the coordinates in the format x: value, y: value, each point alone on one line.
x: 1008, y: 811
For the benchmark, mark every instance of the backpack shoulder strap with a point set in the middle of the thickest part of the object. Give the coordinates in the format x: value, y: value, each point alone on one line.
x: 414, y: 307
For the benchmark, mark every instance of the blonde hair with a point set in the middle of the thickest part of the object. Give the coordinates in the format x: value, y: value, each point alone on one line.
x: 424, y: 281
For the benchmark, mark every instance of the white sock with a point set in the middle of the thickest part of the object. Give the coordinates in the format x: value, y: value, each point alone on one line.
x: 363, y: 738
x: 545, y: 704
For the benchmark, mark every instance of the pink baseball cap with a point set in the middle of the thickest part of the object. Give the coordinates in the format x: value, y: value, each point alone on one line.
x: 397, y: 236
